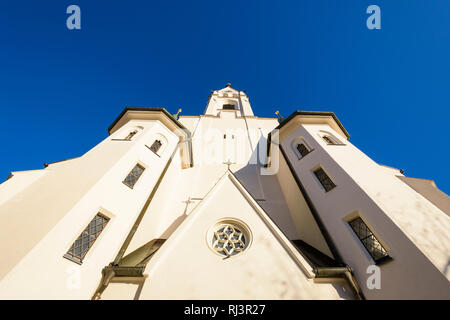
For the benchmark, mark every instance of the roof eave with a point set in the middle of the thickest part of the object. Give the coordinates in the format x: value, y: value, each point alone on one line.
x: 314, y: 113
x: 188, y: 136
x: 163, y: 110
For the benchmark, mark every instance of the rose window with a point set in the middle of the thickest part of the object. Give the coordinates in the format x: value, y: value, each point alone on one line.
x: 229, y: 240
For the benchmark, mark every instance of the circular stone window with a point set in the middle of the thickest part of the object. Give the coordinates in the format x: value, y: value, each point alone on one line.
x: 229, y: 238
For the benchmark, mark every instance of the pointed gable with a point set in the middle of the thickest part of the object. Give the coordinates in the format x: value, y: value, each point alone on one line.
x: 228, y: 99
x: 228, y: 91
x: 265, y: 265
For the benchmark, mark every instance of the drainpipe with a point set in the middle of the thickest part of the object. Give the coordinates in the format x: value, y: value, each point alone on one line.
x: 341, y: 272
x: 107, y: 275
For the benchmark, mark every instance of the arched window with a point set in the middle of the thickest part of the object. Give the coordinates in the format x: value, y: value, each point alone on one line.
x: 131, y: 135
x: 128, y: 134
x: 330, y: 138
x: 156, y: 146
x: 159, y: 143
x: 229, y: 104
x: 301, y: 147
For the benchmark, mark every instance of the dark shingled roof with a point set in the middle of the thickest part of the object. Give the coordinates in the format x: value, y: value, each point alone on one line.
x: 163, y: 110
x: 313, y: 113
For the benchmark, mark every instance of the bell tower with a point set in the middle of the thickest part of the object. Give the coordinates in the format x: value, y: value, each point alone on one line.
x: 228, y: 99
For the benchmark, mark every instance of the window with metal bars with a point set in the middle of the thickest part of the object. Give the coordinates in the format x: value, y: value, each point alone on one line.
x: 84, y: 242
x: 368, y: 239
x: 324, y: 179
x: 156, y: 146
x: 302, y: 149
x: 133, y: 176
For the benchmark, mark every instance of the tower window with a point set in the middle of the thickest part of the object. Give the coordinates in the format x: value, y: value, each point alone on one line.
x: 84, y: 242
x: 302, y: 149
x: 131, y: 135
x: 324, y: 179
x: 156, y: 146
x: 330, y: 139
x: 133, y: 176
x: 228, y: 107
x: 368, y: 239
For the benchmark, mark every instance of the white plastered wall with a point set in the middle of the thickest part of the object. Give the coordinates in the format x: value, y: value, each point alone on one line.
x: 41, y: 264
x: 187, y: 268
x: 413, y: 230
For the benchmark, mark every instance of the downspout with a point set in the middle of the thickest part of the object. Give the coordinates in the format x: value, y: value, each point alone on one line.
x: 108, y: 272
x: 341, y: 272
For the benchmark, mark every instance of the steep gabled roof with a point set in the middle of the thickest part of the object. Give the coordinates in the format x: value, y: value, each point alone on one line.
x: 291, y: 249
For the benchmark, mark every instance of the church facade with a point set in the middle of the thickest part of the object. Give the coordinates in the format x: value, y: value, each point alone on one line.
x: 224, y: 205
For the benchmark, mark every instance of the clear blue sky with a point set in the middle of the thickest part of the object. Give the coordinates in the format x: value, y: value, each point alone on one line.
x: 61, y: 89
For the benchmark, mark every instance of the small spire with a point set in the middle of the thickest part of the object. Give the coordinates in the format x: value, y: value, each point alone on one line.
x: 176, y: 114
x: 229, y: 84
x: 280, y: 117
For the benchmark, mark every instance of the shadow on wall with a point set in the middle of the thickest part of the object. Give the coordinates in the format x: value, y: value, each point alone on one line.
x: 174, y: 225
x: 259, y: 185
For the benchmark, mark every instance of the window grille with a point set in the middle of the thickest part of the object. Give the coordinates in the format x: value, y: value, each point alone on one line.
x: 324, y: 179
x: 133, y: 176
x: 368, y: 239
x: 229, y: 240
x: 302, y: 149
x: 156, y: 146
x: 84, y: 242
